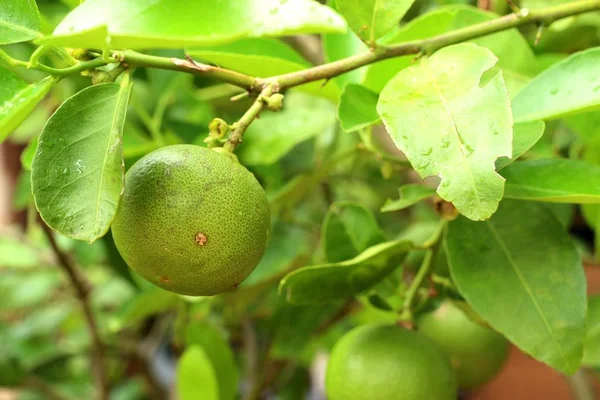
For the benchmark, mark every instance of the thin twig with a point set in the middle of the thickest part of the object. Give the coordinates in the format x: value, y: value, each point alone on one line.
x: 82, y: 290
x: 240, y: 127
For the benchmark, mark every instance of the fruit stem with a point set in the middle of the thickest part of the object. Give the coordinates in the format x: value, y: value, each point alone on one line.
x: 240, y: 127
x: 432, y: 245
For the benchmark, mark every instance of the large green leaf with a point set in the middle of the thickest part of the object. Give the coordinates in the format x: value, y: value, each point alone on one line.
x: 275, y: 134
x: 569, y: 87
x: 18, y: 99
x: 328, y: 283
x: 357, y: 108
x: 77, y: 170
x: 452, y: 121
x: 196, y: 377
x: 521, y: 272
x: 211, y: 340
x: 525, y: 135
x: 410, y: 194
x: 553, y: 180
x: 263, y: 58
x: 511, y: 48
x: 348, y: 230
x: 372, y: 19
x: 19, y: 21
x: 591, y: 346
x: 139, y: 24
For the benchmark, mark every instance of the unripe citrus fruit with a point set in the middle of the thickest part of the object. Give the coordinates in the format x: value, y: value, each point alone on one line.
x: 191, y: 220
x: 381, y: 362
x: 476, y: 352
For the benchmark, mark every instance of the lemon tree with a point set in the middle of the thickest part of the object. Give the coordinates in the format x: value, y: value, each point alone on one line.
x: 210, y: 200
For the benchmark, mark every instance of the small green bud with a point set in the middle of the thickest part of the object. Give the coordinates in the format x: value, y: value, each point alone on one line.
x: 274, y: 101
x: 100, y: 77
x: 218, y: 128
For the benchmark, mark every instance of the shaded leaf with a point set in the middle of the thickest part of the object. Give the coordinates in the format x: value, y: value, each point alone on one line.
x: 569, y: 87
x: 372, y: 19
x: 525, y: 135
x: 211, y: 340
x: 77, y: 170
x: 145, y: 304
x: 264, y: 58
x: 275, y: 134
x: 553, y: 180
x: 591, y: 345
x: 450, y: 124
x: 166, y: 24
x: 337, y: 281
x: 19, y: 21
x: 357, y: 108
x: 348, y: 230
x: 521, y: 272
x: 410, y: 194
x: 18, y: 99
x: 196, y: 377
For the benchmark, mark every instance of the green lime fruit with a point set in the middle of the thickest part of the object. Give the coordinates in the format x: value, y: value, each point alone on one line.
x: 387, y: 362
x: 477, y: 353
x: 192, y: 220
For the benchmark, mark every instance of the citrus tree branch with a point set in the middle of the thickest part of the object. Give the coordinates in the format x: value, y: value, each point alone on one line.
x: 82, y: 291
x: 544, y: 16
x: 188, y: 65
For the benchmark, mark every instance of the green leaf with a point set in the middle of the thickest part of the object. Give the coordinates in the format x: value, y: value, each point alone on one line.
x: 553, y: 180
x: 453, y: 122
x: 19, y: 21
x: 211, y: 340
x: 410, y: 194
x: 521, y: 272
x: 357, y: 108
x: 196, y: 377
x: 569, y: 87
x: 264, y: 58
x: 156, y: 24
x: 525, y: 135
x: 18, y: 99
x: 275, y: 134
x: 372, y: 19
x: 348, y: 230
x: 591, y: 345
x: 77, y: 171
x: 511, y: 48
x: 328, y: 283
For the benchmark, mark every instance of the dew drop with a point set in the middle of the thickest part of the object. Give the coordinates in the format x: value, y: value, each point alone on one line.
x: 445, y: 143
x: 554, y: 91
x: 65, y: 171
x: 596, y: 88
x: 427, y: 152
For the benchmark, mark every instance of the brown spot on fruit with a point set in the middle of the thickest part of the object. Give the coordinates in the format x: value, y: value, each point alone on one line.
x: 201, y: 238
x: 164, y: 279
x: 235, y: 285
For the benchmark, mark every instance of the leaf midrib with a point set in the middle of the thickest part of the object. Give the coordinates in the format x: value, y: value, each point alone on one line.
x: 521, y: 278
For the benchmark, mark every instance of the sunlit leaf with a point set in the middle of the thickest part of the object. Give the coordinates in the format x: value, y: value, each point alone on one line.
x: 569, y: 87
x: 77, y: 171
x: 167, y: 24
x: 19, y: 21
x: 452, y: 121
x: 18, y: 99
x: 196, y: 377
x: 372, y: 19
